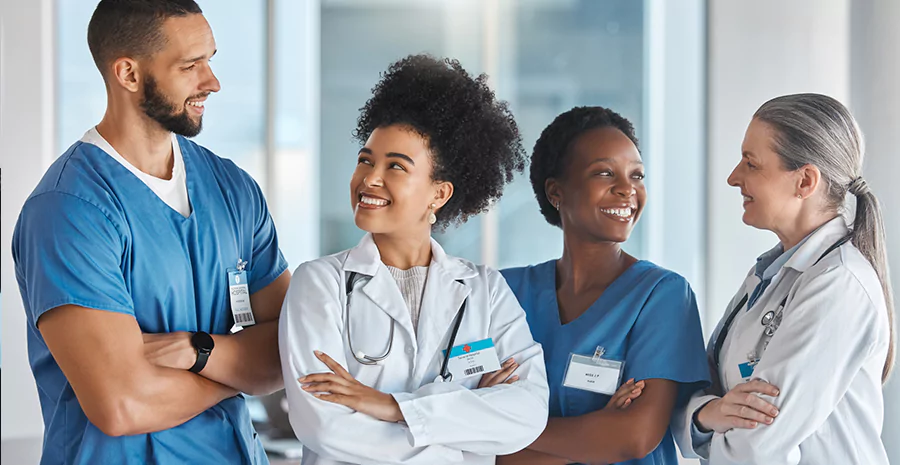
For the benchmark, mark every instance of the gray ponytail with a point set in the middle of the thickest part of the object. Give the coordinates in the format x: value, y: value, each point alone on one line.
x: 813, y: 129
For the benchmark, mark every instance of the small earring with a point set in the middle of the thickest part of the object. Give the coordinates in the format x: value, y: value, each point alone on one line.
x: 800, y: 196
x: 432, y: 218
x: 557, y: 205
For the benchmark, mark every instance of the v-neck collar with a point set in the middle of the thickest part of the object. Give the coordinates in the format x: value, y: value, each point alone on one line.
x: 141, y: 186
x: 594, y: 311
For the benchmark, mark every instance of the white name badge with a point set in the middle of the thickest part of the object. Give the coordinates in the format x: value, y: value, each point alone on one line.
x: 474, y: 358
x: 239, y: 294
x: 593, y: 374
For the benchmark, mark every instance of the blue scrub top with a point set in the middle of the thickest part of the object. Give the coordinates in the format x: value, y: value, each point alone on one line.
x: 647, y: 317
x: 94, y: 235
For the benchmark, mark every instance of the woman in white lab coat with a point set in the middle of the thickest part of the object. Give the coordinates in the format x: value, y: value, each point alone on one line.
x: 803, y: 348
x: 364, y: 333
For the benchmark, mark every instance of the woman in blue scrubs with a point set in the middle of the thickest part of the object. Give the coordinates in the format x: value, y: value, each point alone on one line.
x: 597, y: 306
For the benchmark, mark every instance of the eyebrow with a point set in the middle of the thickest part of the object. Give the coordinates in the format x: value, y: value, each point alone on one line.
x: 191, y: 60
x: 390, y: 155
x: 610, y: 160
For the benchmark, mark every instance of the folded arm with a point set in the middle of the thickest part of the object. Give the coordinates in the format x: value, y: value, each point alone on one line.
x: 101, y: 354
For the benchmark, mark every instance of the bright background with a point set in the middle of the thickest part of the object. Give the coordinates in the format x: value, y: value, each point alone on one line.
x: 688, y: 74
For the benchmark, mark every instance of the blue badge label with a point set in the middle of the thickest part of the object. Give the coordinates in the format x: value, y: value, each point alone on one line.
x: 746, y: 369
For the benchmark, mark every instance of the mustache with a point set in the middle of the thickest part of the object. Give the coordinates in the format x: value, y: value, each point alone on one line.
x: 200, y: 95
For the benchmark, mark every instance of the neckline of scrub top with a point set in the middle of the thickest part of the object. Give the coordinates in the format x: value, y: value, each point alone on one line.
x: 613, y: 290
x: 188, y: 179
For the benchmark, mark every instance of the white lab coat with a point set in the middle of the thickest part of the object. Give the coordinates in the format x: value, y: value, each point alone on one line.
x: 448, y: 422
x: 826, y: 357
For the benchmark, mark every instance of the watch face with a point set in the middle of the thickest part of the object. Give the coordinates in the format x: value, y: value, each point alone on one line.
x: 202, y: 342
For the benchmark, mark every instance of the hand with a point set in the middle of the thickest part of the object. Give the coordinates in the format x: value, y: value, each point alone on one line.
x: 501, y: 376
x: 339, y: 387
x: 625, y: 394
x: 741, y: 407
x: 170, y: 350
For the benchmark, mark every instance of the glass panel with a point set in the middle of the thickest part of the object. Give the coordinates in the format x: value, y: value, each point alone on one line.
x: 359, y: 40
x: 566, y: 54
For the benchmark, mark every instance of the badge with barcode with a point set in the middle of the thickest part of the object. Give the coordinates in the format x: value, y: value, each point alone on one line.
x: 239, y: 293
x: 474, y: 358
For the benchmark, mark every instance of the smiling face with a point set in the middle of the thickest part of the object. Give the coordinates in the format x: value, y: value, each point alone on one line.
x: 602, y: 193
x: 178, y: 78
x: 768, y: 188
x: 392, y: 189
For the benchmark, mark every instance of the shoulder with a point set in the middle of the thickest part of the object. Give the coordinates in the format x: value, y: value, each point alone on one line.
x: 76, y: 181
x: 848, y: 278
x: 327, y: 268
x: 223, y: 169
x: 524, y: 276
x: 661, y: 280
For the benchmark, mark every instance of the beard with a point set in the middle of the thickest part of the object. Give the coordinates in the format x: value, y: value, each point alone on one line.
x: 158, y: 107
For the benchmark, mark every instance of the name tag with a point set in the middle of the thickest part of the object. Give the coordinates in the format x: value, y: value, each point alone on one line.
x: 474, y: 358
x: 593, y: 374
x: 239, y: 294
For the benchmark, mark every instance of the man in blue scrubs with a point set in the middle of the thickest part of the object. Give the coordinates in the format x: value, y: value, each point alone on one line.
x: 136, y: 255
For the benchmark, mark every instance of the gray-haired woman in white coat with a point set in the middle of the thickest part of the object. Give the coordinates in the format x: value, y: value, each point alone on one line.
x: 799, y: 358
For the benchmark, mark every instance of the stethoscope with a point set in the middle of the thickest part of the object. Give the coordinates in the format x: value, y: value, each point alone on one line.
x: 364, y: 359
x: 771, y: 320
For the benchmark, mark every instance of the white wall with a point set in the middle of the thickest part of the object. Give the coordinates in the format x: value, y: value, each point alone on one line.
x: 875, y: 86
x: 26, y: 145
x: 759, y: 50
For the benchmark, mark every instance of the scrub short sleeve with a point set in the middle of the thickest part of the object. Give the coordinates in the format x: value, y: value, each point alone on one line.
x: 666, y: 341
x: 267, y: 262
x: 68, y: 252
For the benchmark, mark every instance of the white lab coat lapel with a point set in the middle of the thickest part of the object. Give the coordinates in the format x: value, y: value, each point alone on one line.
x: 441, y: 302
x: 381, y: 289
x: 747, y: 328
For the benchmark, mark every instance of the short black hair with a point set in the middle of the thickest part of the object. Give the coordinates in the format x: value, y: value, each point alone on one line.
x: 549, y: 158
x: 131, y: 27
x: 473, y: 138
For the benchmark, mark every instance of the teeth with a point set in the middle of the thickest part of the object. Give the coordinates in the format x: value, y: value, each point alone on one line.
x: 747, y: 197
x: 620, y: 212
x: 196, y: 104
x: 373, y: 201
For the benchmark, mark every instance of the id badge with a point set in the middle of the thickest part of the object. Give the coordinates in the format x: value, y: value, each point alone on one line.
x: 595, y: 374
x: 239, y: 293
x: 472, y: 359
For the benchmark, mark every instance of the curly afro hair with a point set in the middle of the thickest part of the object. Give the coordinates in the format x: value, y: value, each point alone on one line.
x: 473, y: 138
x: 550, y: 160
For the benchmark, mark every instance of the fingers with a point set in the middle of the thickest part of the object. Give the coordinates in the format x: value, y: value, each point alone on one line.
x: 332, y: 365
x: 747, y: 413
x: 627, y: 393
x: 512, y: 379
x: 749, y: 398
x: 618, y: 399
x: 323, y: 378
x: 505, y: 371
x: 760, y: 386
x: 339, y: 399
x: 500, y: 376
x: 738, y: 422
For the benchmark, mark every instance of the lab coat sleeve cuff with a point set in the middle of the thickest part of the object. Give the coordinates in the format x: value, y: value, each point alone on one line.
x: 692, y: 442
x: 414, y: 419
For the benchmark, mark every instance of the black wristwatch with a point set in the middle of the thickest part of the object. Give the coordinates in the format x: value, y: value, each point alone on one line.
x: 204, y: 344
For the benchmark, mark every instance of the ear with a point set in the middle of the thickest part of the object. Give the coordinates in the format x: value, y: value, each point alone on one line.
x: 443, y: 190
x: 126, y: 73
x: 809, y: 180
x: 553, y: 191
